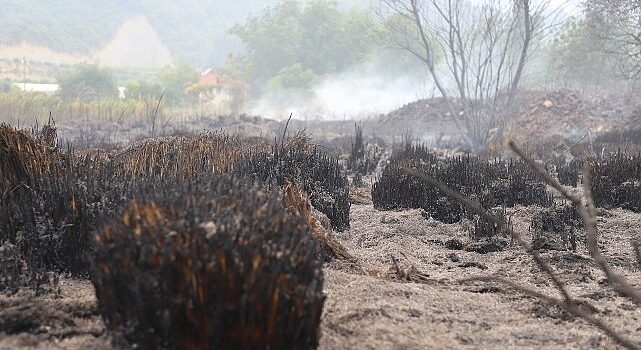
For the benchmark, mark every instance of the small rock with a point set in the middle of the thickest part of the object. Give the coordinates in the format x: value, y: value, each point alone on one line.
x: 454, y: 244
x: 473, y: 264
x: 453, y: 257
x: 386, y: 220
x: 485, y: 246
x: 415, y: 313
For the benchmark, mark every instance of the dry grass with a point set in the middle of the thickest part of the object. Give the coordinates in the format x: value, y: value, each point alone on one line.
x: 26, y: 159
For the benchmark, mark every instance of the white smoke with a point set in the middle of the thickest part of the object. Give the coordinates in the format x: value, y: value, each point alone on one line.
x: 352, y: 95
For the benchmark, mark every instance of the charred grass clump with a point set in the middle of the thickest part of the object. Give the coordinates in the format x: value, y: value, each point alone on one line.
x: 317, y: 173
x: 491, y: 183
x: 26, y: 159
x: 43, y: 213
x: 213, y: 153
x: 180, y: 256
x: 216, y: 263
x: 616, y: 181
x: 187, y: 240
x: 363, y: 157
x: 628, y: 140
x: 568, y: 174
x: 49, y: 226
x: 556, y: 228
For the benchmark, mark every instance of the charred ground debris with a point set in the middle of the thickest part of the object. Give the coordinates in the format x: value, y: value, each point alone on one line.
x: 175, y: 233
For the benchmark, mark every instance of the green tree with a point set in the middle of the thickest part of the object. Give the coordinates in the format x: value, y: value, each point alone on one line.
x: 237, y: 70
x: 316, y: 37
x: 293, y: 82
x: 575, y: 58
x: 395, y: 57
x: 136, y: 89
x: 88, y: 82
x: 174, y: 80
x: 617, y: 25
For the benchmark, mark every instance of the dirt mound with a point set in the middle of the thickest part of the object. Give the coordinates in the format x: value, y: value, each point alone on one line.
x: 433, y: 108
x: 538, y: 114
x: 563, y: 113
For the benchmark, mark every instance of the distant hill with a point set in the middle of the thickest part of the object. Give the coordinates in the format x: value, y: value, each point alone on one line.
x: 136, y: 44
x: 194, y: 31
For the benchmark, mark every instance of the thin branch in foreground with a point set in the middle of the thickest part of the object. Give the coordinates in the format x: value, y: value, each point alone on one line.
x: 576, y: 308
x: 476, y: 208
x: 588, y: 212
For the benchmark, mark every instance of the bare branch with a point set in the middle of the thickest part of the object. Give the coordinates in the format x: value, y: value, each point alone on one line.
x: 573, y: 307
x: 589, y: 215
x: 588, y: 212
x: 478, y: 209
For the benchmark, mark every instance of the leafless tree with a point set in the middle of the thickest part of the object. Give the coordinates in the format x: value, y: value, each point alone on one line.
x: 475, y: 53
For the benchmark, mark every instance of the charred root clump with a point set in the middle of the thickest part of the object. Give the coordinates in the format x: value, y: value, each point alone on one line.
x: 210, y: 265
x: 491, y: 183
x: 363, y: 157
x: 317, y: 173
x: 481, y: 228
x: 616, y: 182
x: 556, y: 228
x: 568, y: 174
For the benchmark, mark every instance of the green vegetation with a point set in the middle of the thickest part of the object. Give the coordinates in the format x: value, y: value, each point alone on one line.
x: 294, y: 44
x: 91, y: 82
x: 174, y: 79
x: 316, y: 38
x: 575, y: 58
x: 88, y: 82
x: 194, y: 31
x: 21, y: 108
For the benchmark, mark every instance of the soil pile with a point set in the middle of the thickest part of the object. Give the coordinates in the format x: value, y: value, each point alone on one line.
x: 538, y: 114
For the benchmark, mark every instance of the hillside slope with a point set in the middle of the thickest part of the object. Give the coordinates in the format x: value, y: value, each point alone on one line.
x: 194, y: 31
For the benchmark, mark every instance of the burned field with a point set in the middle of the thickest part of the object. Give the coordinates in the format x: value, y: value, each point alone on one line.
x: 220, y: 241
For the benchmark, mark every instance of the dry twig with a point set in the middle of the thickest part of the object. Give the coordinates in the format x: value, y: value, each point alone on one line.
x: 588, y: 212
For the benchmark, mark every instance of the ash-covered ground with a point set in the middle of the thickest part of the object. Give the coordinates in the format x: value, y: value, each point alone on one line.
x: 366, y: 312
x: 377, y: 302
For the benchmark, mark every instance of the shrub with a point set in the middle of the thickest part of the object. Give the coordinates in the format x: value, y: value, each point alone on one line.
x: 88, y: 82
x: 209, y: 264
